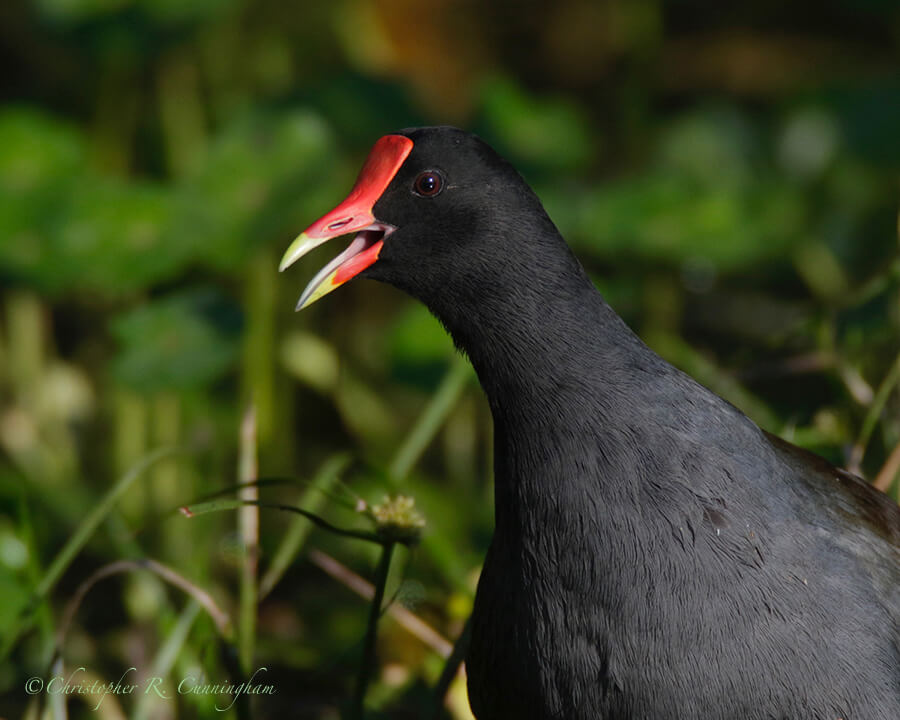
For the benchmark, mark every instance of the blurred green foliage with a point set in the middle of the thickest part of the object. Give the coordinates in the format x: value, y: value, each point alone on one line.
x: 729, y: 179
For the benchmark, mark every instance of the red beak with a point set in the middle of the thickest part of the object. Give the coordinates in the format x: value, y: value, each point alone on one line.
x: 354, y: 214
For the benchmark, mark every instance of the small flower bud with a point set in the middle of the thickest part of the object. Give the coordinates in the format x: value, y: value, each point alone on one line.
x: 397, y: 519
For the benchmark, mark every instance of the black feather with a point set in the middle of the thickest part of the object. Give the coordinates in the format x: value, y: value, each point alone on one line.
x: 656, y: 555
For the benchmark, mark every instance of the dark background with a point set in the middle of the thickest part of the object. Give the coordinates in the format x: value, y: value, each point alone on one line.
x: 729, y: 176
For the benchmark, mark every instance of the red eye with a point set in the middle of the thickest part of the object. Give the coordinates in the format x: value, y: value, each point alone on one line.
x: 428, y: 184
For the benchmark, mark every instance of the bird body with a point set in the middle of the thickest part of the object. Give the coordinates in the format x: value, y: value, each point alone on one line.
x: 656, y: 554
x: 655, y: 551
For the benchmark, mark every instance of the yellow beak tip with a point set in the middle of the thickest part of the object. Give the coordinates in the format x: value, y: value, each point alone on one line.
x: 295, y: 251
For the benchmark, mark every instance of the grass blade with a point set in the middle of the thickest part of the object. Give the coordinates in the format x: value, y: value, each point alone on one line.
x: 168, y: 653
x: 87, y: 527
x: 79, y: 538
x: 298, y: 530
x: 431, y: 419
x: 220, y: 505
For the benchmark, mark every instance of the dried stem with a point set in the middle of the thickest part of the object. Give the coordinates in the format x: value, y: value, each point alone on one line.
x: 203, y: 598
x: 889, y: 470
x: 411, y: 622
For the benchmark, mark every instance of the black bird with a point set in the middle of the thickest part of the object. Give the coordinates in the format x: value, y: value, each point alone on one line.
x: 656, y: 555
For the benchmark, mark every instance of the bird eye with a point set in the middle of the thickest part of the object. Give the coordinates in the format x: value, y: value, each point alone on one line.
x: 428, y: 184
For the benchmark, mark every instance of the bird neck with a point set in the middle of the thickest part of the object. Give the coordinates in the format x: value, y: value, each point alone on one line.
x: 543, y: 341
x: 561, y: 372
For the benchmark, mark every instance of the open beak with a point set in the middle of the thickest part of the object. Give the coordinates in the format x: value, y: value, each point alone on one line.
x: 353, y: 215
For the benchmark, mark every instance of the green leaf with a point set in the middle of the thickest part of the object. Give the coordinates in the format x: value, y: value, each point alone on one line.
x: 713, y: 147
x: 544, y: 132
x: 181, y: 342
x: 37, y: 151
x: 666, y: 217
x: 15, y: 596
x: 264, y: 176
x: 112, y: 237
x: 41, y: 159
x: 178, y: 11
x: 417, y: 338
x: 73, y: 11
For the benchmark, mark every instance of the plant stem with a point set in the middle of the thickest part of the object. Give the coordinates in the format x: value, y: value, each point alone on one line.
x: 181, y: 113
x: 130, y: 436
x: 367, y: 666
x: 451, y: 667
x: 25, y: 346
x: 170, y: 481
x: 259, y: 344
x: 248, y: 523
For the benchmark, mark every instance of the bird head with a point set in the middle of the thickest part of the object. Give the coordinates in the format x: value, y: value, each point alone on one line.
x: 428, y: 211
